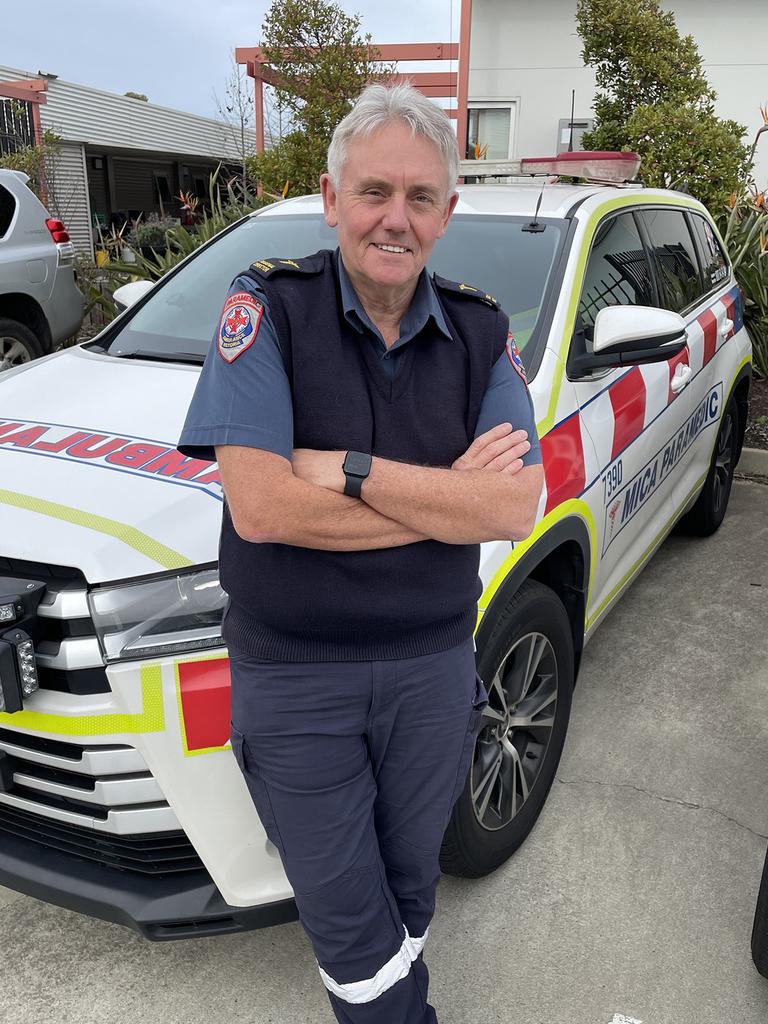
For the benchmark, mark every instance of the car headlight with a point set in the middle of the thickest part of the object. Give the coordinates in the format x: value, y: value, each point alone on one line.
x: 159, y: 617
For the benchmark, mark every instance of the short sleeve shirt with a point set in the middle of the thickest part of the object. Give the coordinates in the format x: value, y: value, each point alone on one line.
x: 247, y: 401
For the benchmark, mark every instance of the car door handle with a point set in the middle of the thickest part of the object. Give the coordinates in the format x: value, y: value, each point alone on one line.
x: 682, y: 375
x: 726, y: 329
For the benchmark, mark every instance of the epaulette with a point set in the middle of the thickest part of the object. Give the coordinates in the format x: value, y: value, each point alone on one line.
x: 467, y: 290
x: 304, y: 265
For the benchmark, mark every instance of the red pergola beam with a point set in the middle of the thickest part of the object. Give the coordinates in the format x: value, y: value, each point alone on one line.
x: 439, y: 84
x: 28, y: 91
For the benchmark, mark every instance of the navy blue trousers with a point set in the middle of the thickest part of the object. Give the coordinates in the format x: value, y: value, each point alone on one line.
x: 353, y: 768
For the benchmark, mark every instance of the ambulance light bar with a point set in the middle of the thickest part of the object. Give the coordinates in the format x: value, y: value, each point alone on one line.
x: 609, y: 167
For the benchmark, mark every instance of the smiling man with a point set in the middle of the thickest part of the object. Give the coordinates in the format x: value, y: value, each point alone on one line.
x: 372, y: 426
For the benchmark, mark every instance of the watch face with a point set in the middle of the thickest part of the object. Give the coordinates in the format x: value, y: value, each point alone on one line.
x: 357, y: 463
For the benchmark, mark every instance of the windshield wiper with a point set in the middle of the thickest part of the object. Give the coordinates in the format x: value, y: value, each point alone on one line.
x: 163, y: 357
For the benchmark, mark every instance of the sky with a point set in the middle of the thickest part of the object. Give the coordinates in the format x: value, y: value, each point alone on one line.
x: 178, y: 52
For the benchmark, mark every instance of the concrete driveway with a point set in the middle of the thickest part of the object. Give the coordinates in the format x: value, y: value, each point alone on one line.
x: 631, y: 901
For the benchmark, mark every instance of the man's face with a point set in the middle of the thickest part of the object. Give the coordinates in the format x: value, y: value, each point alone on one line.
x: 390, y: 207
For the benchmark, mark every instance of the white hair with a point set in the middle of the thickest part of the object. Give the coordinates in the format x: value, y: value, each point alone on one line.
x: 380, y: 105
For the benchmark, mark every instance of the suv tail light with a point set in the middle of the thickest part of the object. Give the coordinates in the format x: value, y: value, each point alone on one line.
x: 60, y: 236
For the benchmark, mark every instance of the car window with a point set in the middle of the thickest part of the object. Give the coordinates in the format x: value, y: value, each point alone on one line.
x: 7, y: 210
x: 488, y: 252
x: 674, y: 252
x: 715, y: 264
x: 617, y: 273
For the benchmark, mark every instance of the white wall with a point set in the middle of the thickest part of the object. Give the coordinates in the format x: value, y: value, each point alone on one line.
x: 529, y: 50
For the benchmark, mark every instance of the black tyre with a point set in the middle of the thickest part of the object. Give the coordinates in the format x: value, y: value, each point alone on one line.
x: 527, y: 667
x: 760, y: 928
x: 709, y: 511
x: 17, y: 344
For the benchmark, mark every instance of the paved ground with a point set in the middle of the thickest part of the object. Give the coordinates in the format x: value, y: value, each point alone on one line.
x: 631, y: 901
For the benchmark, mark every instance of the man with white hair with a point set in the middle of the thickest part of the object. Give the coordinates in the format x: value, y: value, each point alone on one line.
x: 377, y: 428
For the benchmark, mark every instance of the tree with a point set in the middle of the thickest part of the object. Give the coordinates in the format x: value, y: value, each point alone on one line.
x: 323, y: 63
x: 237, y: 111
x: 654, y: 99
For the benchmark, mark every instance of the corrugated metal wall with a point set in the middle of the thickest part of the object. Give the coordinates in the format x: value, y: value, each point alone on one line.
x: 80, y: 114
x: 135, y: 184
x: 68, y: 196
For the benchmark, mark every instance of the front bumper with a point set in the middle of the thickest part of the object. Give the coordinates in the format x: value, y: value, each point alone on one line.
x: 178, y: 906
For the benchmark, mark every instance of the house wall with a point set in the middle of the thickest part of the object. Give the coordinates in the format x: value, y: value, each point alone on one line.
x: 529, y: 51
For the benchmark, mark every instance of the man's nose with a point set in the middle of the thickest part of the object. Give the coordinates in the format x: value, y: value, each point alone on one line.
x: 396, y: 214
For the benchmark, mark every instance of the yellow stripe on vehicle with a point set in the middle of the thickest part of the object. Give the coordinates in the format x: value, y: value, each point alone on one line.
x: 572, y: 507
x: 123, y: 532
x: 151, y: 718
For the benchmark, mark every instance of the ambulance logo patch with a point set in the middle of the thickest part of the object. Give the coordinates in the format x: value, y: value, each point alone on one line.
x: 514, y: 358
x: 239, y: 325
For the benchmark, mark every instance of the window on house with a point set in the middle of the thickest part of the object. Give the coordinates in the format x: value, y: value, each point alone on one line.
x: 163, y: 187
x: 491, y: 127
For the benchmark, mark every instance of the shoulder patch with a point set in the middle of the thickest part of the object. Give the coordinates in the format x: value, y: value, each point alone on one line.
x: 515, y: 358
x: 239, y: 325
x: 467, y: 290
x: 305, y: 265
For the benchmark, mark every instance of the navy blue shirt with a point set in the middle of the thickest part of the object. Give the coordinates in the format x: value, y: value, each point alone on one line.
x: 248, y: 401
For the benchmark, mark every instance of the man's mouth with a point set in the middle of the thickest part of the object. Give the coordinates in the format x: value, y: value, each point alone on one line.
x: 390, y: 248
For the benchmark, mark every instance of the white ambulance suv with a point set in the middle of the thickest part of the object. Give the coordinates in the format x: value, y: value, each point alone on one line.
x: 119, y: 793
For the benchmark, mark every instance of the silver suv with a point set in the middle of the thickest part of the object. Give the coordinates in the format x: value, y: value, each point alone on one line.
x: 40, y: 304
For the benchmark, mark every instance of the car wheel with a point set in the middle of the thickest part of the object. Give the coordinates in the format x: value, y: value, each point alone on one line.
x: 760, y: 929
x: 709, y: 511
x: 17, y: 344
x: 527, y: 667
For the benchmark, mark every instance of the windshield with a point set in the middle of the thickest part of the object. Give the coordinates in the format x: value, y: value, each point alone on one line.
x: 490, y: 252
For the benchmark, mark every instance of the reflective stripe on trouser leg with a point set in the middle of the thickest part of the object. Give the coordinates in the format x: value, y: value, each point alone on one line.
x: 392, y: 971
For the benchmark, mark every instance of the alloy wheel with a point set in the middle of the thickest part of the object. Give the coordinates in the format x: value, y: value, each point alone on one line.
x: 723, y: 460
x: 13, y: 353
x: 516, y: 730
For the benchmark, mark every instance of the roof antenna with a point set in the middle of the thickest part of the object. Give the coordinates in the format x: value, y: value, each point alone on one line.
x: 573, y: 107
x: 535, y: 227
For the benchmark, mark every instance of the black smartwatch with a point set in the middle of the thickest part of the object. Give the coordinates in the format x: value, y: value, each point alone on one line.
x: 357, y: 466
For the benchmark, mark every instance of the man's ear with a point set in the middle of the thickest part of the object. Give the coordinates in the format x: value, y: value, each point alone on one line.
x: 328, y: 192
x: 449, y: 208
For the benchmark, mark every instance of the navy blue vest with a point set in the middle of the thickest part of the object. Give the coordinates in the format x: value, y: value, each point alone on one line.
x: 290, y: 603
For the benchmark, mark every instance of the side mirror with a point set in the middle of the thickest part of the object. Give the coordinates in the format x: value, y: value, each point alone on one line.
x: 127, y: 294
x: 630, y: 335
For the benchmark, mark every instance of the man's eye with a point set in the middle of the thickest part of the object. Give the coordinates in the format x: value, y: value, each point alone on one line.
x: 423, y: 198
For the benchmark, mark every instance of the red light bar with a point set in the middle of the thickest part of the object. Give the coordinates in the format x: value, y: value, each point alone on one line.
x: 597, y: 166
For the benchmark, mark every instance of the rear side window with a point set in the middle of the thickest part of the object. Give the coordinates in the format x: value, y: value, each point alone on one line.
x: 617, y: 271
x: 715, y: 263
x: 674, y: 252
x: 7, y: 210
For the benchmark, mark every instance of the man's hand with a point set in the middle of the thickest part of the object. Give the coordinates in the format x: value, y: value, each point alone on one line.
x: 500, y: 449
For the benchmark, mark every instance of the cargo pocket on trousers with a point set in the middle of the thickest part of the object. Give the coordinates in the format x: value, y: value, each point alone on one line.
x: 256, y: 787
x: 474, y: 724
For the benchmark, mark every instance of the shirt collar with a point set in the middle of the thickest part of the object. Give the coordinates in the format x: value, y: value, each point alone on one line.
x: 424, y: 305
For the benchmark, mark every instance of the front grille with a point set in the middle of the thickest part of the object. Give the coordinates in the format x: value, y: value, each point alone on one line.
x: 104, y: 789
x: 165, y: 854
x: 67, y: 649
